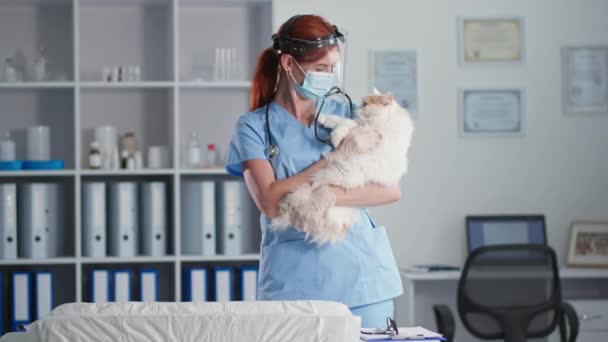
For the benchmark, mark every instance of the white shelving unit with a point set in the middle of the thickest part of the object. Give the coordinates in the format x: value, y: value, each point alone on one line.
x: 163, y: 37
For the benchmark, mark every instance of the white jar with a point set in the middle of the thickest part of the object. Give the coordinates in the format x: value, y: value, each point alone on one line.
x: 38, y: 143
x: 7, y: 148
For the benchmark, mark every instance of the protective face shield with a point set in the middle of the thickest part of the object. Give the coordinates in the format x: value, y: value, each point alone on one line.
x: 332, y: 53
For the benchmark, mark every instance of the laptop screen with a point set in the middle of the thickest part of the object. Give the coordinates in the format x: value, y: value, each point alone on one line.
x: 500, y: 230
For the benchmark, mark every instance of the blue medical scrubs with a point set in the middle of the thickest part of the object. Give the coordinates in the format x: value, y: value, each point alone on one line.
x: 357, y: 271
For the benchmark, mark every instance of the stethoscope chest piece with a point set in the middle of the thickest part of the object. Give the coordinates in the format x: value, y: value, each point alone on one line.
x: 272, y: 151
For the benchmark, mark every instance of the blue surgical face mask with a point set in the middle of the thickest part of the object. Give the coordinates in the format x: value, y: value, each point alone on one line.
x: 316, y: 83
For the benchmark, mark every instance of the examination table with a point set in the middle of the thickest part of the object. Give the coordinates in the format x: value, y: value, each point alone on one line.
x: 293, y: 321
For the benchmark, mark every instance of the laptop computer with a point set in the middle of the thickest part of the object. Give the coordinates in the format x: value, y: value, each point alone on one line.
x: 505, y: 229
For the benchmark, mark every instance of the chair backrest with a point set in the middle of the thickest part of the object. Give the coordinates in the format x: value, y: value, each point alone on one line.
x: 510, y: 292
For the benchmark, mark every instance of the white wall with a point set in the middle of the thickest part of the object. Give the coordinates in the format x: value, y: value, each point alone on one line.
x: 560, y: 168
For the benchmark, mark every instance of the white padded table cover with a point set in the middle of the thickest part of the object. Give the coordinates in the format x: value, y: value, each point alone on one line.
x: 292, y: 321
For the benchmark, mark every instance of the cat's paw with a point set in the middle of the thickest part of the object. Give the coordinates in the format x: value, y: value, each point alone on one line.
x: 324, y: 120
x: 338, y: 134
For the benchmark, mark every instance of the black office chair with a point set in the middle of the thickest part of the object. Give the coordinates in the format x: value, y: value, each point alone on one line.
x: 510, y: 292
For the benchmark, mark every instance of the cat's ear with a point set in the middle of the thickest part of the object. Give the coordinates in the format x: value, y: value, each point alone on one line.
x: 376, y: 91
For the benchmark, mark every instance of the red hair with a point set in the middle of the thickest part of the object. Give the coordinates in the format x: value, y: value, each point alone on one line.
x: 267, y: 68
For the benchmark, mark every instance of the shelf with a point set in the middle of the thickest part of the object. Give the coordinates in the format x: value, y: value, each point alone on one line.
x: 216, y: 85
x: 37, y: 173
x: 207, y: 171
x: 132, y: 85
x: 36, y: 85
x: 51, y: 261
x: 212, y: 258
x: 127, y: 260
x: 118, y: 173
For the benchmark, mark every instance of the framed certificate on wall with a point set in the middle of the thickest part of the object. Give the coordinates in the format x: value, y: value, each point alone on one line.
x: 491, y: 40
x: 585, y: 79
x: 395, y: 71
x: 492, y: 112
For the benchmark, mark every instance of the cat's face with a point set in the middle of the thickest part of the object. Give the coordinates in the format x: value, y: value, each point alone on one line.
x: 376, y: 106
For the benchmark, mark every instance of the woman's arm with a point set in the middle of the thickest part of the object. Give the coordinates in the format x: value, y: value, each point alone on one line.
x: 265, y: 190
x: 370, y: 195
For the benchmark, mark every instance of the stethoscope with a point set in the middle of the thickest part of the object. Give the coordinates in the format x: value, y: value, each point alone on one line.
x: 273, y: 150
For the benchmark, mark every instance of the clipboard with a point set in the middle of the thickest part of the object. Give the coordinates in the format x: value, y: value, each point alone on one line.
x: 384, y: 337
x: 406, y: 334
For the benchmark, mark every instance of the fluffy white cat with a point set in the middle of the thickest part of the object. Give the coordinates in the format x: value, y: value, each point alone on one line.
x: 372, y: 148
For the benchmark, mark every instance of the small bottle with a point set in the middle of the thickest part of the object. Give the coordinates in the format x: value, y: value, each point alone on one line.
x: 115, y: 73
x: 115, y: 159
x: 121, y: 74
x: 40, y: 66
x: 139, y: 160
x: 136, y: 73
x: 10, y: 73
x: 211, y: 155
x: 124, y: 159
x: 130, y: 74
x: 129, y: 143
x: 107, y: 74
x: 194, y: 151
x: 95, y: 156
x: 7, y: 148
x: 131, y: 163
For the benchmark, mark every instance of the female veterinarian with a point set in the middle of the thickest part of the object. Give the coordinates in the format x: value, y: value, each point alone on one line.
x: 275, y: 147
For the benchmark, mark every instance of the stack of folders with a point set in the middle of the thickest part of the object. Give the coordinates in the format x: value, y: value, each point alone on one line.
x: 31, y: 298
x: 116, y: 286
x: 217, y: 218
x: 31, y: 220
x: 124, y: 219
x: 198, y: 285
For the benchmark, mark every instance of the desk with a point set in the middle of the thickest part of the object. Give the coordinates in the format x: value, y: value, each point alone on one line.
x: 585, y: 289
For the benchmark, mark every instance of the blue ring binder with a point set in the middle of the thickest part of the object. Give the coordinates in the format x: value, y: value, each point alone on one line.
x: 19, y: 325
x: 36, y: 308
x: 141, y: 283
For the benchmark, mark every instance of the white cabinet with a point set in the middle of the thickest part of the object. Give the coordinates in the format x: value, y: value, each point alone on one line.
x: 170, y: 41
x: 593, y: 315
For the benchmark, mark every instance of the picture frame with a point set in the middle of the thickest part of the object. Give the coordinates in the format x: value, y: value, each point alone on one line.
x: 491, y: 40
x: 584, y: 79
x: 588, y: 244
x: 492, y: 112
x: 395, y: 71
